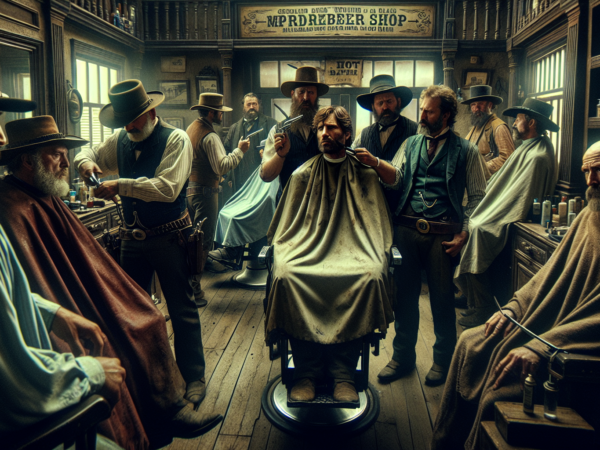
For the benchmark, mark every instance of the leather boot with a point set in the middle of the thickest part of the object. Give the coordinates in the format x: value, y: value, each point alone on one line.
x: 195, y: 392
x: 436, y: 375
x: 189, y: 424
x: 393, y: 371
x: 345, y: 392
x: 303, y: 390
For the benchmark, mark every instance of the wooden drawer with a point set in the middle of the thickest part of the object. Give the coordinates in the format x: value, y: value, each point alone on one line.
x: 524, y: 271
x: 533, y: 251
x: 97, y: 225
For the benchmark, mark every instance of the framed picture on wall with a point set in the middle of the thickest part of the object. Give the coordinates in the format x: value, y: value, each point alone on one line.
x: 177, y: 93
x: 177, y: 122
x: 172, y: 63
x: 476, y: 77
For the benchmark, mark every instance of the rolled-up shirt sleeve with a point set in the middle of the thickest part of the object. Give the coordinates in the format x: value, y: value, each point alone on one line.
x: 220, y: 162
x: 399, y: 163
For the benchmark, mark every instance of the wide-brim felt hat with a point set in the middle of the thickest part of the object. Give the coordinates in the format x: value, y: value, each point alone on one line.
x: 536, y: 109
x: 8, y: 104
x: 128, y: 101
x: 305, y: 76
x: 482, y: 93
x: 380, y: 84
x: 212, y: 101
x: 35, y: 132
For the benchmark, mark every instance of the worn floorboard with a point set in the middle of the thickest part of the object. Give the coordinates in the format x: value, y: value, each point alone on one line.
x: 238, y: 369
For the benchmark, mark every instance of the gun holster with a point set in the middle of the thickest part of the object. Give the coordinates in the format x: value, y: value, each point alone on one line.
x: 193, y: 240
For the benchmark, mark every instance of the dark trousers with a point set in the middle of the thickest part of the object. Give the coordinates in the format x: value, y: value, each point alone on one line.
x: 338, y: 361
x: 477, y: 287
x: 204, y: 206
x: 423, y: 251
x: 164, y: 255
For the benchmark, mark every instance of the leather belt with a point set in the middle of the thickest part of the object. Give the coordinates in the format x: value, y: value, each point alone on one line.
x: 202, y: 190
x: 138, y: 234
x: 427, y: 226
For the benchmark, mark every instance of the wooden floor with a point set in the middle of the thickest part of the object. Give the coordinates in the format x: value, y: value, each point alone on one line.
x: 238, y: 369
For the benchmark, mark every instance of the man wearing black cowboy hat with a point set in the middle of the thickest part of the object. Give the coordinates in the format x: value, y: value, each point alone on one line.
x: 153, y: 161
x: 531, y: 172
x: 285, y: 152
x: 209, y: 164
x: 384, y: 137
x: 65, y: 264
x: 489, y: 133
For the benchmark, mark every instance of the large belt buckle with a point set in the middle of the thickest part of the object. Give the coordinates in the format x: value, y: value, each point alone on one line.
x: 423, y: 226
x: 138, y: 235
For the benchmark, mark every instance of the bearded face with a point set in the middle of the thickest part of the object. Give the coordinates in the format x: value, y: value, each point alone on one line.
x: 305, y: 102
x: 481, y: 111
x: 48, y: 178
x: 138, y: 132
x: 251, y: 108
x: 592, y: 196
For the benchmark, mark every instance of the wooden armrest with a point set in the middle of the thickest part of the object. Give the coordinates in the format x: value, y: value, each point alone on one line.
x: 61, y: 427
x: 577, y: 367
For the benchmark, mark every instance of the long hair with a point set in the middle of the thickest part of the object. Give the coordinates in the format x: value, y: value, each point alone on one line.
x: 448, y: 100
x: 342, y: 118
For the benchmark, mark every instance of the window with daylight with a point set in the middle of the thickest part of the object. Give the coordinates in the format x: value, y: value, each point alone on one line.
x: 93, y: 80
x: 548, y: 72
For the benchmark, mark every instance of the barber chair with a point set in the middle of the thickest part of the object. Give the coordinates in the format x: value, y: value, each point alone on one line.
x: 324, y: 414
x: 254, y: 275
x: 75, y: 425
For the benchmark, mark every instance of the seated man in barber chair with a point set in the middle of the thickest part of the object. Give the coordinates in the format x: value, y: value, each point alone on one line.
x: 331, y: 236
x: 561, y: 304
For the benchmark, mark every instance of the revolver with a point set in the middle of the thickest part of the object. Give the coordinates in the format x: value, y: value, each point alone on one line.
x: 286, y: 125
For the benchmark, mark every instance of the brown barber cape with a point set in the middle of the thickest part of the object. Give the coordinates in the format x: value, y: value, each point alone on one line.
x: 561, y: 304
x: 332, y: 236
x: 66, y: 265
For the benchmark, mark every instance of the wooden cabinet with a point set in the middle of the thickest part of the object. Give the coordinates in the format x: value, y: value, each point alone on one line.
x: 100, y: 220
x: 531, y: 249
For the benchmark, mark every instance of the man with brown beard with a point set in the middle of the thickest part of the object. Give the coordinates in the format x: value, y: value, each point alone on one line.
x: 489, y: 133
x: 561, y: 304
x: 285, y: 152
x: 65, y: 265
x: 253, y: 120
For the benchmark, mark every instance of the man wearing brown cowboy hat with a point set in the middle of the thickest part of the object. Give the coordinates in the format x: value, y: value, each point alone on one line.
x: 489, y: 133
x: 209, y: 164
x: 153, y: 161
x: 65, y: 265
x: 285, y: 152
x: 384, y: 137
x: 531, y: 172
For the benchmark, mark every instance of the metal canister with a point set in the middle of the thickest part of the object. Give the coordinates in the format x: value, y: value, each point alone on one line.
x: 528, y: 391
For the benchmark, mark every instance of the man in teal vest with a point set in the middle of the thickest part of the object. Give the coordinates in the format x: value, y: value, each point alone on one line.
x: 430, y: 228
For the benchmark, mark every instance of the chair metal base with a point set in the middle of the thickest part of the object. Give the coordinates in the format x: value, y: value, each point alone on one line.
x: 254, y: 276
x: 303, y: 421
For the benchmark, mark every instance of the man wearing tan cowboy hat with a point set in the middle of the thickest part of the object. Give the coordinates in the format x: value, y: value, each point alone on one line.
x: 531, y: 172
x: 65, y: 265
x: 285, y: 152
x: 489, y: 133
x: 383, y: 139
x: 209, y: 164
x: 153, y: 161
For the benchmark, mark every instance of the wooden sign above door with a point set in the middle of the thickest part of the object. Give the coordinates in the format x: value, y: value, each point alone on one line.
x: 336, y: 20
x: 343, y: 71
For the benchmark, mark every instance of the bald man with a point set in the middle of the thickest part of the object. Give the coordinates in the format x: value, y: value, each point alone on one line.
x: 561, y: 303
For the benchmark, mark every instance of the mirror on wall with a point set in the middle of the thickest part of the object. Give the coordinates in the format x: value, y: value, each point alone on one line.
x: 15, y: 78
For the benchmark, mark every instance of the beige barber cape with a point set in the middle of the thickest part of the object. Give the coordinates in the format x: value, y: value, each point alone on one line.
x: 332, y: 236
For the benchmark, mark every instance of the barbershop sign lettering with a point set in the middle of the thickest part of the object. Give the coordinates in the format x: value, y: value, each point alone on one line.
x: 339, y: 20
x: 343, y: 71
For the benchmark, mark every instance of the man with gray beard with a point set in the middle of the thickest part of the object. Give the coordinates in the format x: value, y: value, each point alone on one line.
x: 153, y: 161
x: 65, y: 265
x: 489, y: 133
x: 383, y: 139
x: 561, y: 304
x: 285, y: 152
x: 531, y: 172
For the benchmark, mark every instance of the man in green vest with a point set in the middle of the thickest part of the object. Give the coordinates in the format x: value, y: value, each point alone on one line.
x: 433, y: 169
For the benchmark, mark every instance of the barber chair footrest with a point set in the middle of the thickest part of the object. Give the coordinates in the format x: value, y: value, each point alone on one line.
x: 322, y: 400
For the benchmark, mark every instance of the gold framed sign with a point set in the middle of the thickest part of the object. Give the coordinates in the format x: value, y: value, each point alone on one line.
x: 336, y: 20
